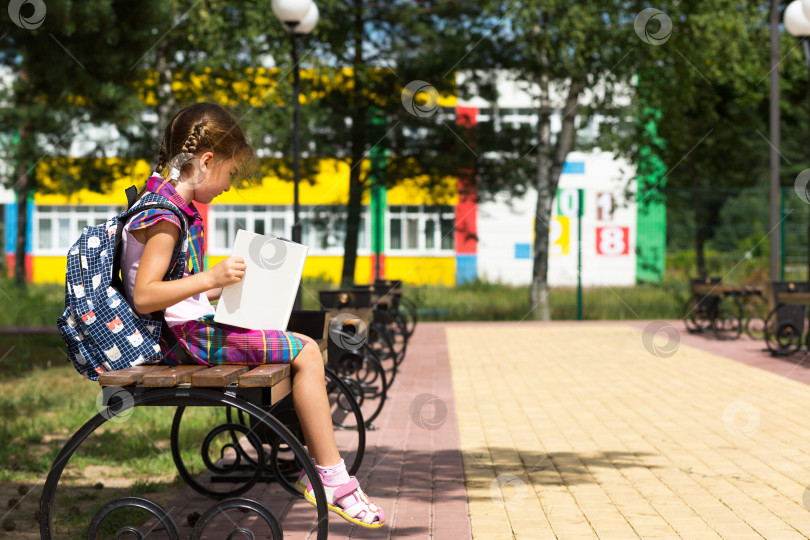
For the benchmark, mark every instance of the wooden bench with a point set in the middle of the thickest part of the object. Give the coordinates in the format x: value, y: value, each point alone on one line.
x: 254, y: 392
x: 349, y: 353
x: 713, y: 307
x: 785, y: 324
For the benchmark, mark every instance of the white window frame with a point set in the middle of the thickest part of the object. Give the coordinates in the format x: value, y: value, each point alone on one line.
x: 422, y: 214
x: 92, y: 214
x: 333, y: 213
x: 267, y: 212
x: 250, y: 213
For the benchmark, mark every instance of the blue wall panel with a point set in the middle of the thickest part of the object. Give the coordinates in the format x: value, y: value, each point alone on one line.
x: 466, y: 268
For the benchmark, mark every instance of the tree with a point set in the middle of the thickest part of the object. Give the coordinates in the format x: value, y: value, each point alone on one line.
x: 360, y: 59
x: 70, y: 65
x: 579, y: 51
x: 592, y: 54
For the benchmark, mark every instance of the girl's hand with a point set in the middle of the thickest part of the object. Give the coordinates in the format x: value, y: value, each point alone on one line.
x: 228, y: 272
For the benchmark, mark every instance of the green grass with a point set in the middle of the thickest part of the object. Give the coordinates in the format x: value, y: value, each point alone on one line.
x: 43, y: 401
x: 489, y: 302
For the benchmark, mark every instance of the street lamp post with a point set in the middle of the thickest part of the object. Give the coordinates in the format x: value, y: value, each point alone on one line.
x: 797, y: 22
x: 299, y: 17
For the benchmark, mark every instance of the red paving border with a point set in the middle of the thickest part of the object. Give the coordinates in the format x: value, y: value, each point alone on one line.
x: 412, y: 466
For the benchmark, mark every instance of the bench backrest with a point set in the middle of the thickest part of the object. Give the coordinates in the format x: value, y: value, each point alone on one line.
x: 792, y: 314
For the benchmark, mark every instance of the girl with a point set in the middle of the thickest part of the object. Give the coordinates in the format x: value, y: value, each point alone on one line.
x: 207, y: 135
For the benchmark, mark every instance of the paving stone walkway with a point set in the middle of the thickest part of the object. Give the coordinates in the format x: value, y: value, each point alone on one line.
x: 596, y: 430
x: 577, y: 430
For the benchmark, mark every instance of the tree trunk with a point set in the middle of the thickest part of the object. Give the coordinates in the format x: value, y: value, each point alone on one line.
x: 357, y: 150
x: 23, y: 189
x: 538, y: 292
x: 548, y: 178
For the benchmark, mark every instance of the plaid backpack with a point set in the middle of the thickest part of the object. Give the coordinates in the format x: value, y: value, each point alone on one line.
x: 100, y: 329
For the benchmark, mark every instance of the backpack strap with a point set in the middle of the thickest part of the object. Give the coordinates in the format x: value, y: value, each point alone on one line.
x: 132, y: 195
x: 126, y: 216
x: 132, y: 210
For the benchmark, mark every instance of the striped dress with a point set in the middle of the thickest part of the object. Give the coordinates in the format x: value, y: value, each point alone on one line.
x: 191, y: 321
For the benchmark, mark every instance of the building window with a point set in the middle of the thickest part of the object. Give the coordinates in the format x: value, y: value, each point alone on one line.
x: 323, y: 227
x: 56, y: 228
x: 226, y: 219
x: 395, y: 226
x: 420, y: 229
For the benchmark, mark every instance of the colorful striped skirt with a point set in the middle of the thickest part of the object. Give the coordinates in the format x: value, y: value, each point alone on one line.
x: 210, y: 343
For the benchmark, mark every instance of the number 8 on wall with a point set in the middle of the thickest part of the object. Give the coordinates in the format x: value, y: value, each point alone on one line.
x: 612, y: 241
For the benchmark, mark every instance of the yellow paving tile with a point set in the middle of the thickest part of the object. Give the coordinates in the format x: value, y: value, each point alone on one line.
x: 586, y: 428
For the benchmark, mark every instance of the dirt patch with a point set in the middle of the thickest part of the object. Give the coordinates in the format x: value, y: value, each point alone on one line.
x: 74, y: 506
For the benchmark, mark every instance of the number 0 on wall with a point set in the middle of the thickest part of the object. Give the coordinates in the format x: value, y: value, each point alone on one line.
x: 612, y: 241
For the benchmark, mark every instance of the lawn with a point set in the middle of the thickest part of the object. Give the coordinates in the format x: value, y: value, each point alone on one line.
x: 42, y: 402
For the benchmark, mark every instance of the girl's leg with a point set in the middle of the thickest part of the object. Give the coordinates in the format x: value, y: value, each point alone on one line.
x: 312, y: 404
x: 343, y: 493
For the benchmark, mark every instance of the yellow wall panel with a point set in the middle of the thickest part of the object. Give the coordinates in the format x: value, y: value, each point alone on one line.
x: 331, y: 187
x: 421, y: 270
x: 410, y: 193
x: 48, y: 269
x: 415, y: 270
x: 114, y: 194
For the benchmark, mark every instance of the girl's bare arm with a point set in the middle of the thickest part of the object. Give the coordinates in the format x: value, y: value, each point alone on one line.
x: 153, y: 294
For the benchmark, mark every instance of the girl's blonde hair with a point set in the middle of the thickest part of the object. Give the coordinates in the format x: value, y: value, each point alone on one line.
x: 205, y: 127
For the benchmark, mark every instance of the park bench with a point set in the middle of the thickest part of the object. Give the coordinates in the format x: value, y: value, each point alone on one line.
x: 785, y: 324
x: 720, y: 309
x: 349, y: 353
x: 262, y: 395
x: 388, y: 333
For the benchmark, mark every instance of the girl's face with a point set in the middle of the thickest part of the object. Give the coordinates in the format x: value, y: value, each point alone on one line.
x: 217, y: 178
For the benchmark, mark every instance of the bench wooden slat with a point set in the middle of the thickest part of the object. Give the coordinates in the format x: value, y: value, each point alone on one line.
x: 172, y: 376
x: 128, y: 376
x: 218, y: 376
x: 796, y: 298
x: 280, y: 390
x: 266, y: 375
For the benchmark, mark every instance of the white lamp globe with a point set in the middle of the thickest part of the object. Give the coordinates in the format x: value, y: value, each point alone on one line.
x: 291, y: 11
x: 795, y: 21
x: 309, y: 22
x: 806, y: 9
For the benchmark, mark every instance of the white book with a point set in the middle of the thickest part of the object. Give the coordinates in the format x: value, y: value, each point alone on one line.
x: 263, y: 299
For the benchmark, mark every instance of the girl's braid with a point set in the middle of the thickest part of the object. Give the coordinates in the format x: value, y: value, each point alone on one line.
x: 163, y: 157
x: 194, y: 138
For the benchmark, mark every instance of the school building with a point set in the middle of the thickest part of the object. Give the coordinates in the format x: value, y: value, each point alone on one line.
x: 419, y: 239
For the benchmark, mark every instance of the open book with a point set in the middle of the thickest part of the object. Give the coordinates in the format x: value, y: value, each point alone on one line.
x: 264, y: 299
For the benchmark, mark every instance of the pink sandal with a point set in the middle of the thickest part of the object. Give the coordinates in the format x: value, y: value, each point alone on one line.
x: 349, y: 501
